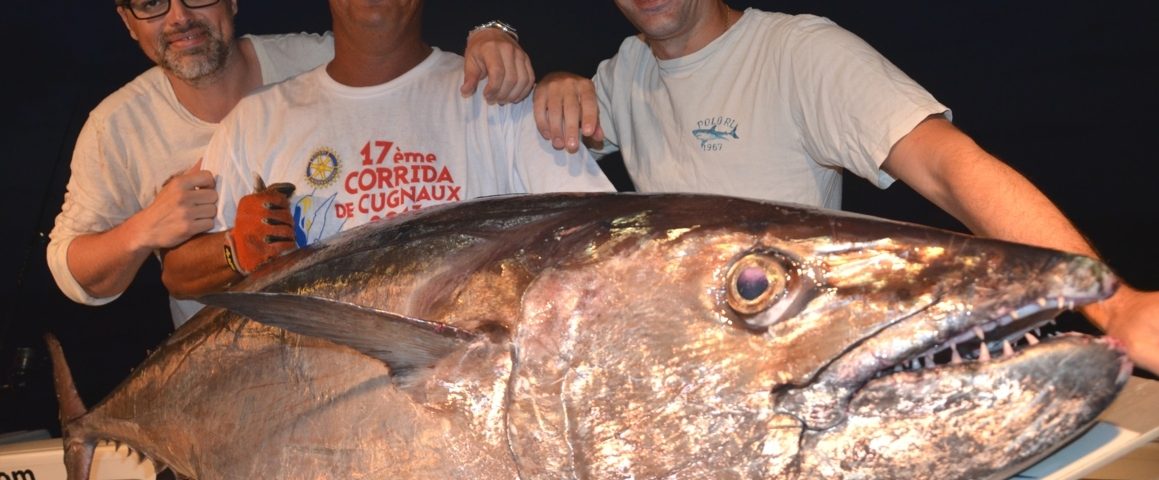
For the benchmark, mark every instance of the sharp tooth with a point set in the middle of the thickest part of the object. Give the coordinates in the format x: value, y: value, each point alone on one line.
x: 978, y: 331
x: 1006, y: 348
x: 897, y: 369
x: 929, y: 360
x: 915, y: 364
x: 1041, y: 302
x: 1031, y: 339
x: 955, y: 357
x: 983, y: 353
x: 1038, y: 332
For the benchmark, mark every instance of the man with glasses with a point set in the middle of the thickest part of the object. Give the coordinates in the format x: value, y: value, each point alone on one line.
x: 136, y: 186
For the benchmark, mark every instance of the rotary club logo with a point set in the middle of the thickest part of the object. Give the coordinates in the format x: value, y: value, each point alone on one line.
x: 323, y: 167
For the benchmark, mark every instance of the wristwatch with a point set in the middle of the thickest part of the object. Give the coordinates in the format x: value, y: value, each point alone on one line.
x: 508, y: 29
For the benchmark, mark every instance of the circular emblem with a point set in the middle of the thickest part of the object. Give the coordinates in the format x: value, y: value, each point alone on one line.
x: 322, y: 168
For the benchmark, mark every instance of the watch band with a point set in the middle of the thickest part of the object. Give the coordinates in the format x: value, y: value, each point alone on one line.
x: 508, y: 29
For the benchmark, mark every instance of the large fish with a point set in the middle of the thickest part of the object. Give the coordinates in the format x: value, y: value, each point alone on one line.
x: 621, y: 336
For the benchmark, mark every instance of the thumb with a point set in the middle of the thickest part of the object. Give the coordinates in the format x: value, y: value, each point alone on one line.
x: 196, y: 167
x: 598, y: 135
x: 472, y: 73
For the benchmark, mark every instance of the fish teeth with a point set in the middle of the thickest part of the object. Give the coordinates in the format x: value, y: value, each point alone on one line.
x: 1007, y: 349
x: 983, y: 354
x: 1031, y: 339
x: 955, y: 357
x: 979, y: 333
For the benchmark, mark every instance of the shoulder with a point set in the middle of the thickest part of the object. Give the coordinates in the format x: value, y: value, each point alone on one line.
x: 797, y: 31
x: 142, y: 93
x: 297, y: 90
x: 293, y: 43
x: 785, y: 23
x: 632, y: 49
x: 632, y: 55
x: 283, y: 56
x: 442, y: 61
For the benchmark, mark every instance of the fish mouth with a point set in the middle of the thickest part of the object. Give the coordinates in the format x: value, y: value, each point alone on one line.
x: 974, y: 418
x: 970, y: 324
x: 949, y: 384
x: 997, y: 338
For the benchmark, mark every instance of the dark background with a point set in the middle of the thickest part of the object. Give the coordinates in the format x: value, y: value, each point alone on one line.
x: 1063, y: 91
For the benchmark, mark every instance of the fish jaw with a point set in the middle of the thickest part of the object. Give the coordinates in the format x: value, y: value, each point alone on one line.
x: 1011, y: 295
x: 863, y: 422
x: 921, y: 424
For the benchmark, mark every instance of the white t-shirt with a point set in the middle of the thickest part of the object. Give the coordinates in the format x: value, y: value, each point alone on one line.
x: 361, y: 154
x: 139, y: 137
x: 774, y: 108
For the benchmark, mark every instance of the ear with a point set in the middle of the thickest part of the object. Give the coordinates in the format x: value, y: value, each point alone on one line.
x: 128, y: 19
x: 233, y: 6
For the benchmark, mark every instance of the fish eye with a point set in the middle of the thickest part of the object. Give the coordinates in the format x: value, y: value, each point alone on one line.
x: 755, y: 283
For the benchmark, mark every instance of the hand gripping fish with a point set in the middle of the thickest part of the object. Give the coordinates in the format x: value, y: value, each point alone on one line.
x: 621, y: 336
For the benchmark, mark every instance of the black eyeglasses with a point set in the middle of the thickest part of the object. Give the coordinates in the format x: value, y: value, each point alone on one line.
x: 147, y: 9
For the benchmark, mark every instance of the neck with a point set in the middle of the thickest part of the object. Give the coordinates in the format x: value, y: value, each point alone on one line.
x: 368, y: 60
x: 708, y: 27
x: 211, y: 98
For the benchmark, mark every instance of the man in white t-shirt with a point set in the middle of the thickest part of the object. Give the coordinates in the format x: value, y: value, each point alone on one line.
x: 133, y: 190
x: 380, y: 130
x: 775, y: 106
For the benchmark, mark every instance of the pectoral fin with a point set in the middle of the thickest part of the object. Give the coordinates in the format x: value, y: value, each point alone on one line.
x: 402, y: 342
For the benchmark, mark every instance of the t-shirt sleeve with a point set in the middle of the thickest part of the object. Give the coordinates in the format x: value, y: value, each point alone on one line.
x: 852, y: 103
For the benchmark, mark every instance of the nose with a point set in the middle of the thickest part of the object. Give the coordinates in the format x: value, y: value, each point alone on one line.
x: 178, y: 12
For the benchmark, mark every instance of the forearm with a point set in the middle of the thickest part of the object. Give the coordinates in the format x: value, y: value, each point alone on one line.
x: 986, y: 195
x: 105, y: 263
x: 197, y: 267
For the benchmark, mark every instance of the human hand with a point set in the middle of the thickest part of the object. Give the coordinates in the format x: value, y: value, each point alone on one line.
x: 264, y: 227
x: 1133, y: 320
x: 565, y: 106
x: 184, y: 207
x: 493, y: 54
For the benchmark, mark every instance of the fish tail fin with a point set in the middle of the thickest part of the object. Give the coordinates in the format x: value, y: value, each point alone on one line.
x: 78, y: 452
x: 733, y: 132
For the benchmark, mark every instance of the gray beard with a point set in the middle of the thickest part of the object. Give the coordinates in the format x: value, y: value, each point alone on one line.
x: 198, y: 64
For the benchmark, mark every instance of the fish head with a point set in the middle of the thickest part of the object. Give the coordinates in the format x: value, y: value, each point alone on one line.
x: 727, y: 335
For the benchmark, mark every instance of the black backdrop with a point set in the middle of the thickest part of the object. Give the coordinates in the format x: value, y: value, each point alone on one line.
x: 1062, y: 90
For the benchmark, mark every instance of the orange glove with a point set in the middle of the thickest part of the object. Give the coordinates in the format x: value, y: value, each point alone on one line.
x: 264, y: 227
